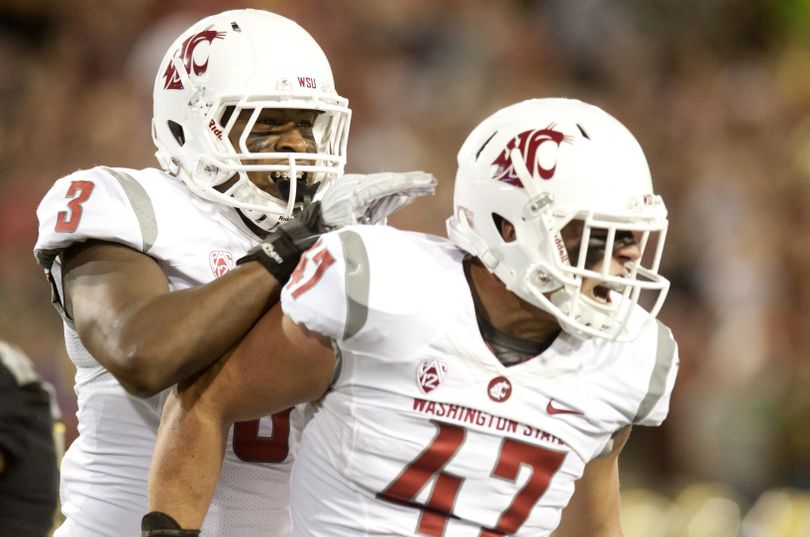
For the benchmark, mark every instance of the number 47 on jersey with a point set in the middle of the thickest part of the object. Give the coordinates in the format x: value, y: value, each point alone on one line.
x: 428, y: 465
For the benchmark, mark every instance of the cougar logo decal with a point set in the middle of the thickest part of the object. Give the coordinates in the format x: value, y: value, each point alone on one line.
x: 528, y: 143
x: 195, y: 66
x: 499, y: 389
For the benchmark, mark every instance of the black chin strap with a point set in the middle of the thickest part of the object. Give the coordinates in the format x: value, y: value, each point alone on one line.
x: 509, y: 349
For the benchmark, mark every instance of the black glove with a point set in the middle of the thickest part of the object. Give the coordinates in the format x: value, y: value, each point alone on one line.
x: 280, y: 251
x: 349, y: 199
x: 157, y: 524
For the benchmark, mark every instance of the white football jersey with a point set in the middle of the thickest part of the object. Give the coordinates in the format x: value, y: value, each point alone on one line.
x: 425, y: 432
x: 104, y: 473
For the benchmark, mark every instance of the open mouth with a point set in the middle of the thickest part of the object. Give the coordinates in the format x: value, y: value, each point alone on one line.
x: 304, y: 191
x: 285, y: 176
x: 601, y: 294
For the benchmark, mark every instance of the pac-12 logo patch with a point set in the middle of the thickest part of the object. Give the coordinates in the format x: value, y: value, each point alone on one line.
x: 499, y: 389
x: 429, y: 374
x: 221, y: 262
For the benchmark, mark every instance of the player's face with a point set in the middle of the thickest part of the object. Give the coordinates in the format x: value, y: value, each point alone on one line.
x: 278, y: 131
x: 625, y: 251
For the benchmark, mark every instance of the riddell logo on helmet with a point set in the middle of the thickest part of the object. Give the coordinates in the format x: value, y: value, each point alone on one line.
x: 561, y: 249
x: 528, y: 143
x: 195, y: 66
x: 212, y: 126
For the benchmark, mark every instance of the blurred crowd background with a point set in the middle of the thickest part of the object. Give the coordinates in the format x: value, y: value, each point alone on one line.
x: 716, y: 91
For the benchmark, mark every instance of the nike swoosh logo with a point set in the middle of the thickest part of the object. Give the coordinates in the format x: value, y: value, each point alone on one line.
x: 551, y: 409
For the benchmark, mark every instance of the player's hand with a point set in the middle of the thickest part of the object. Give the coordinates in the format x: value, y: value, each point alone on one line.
x: 282, y: 248
x: 352, y: 199
x: 370, y: 199
x: 157, y: 524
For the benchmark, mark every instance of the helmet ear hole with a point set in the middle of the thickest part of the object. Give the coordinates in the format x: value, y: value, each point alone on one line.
x: 177, y: 131
x: 505, y: 228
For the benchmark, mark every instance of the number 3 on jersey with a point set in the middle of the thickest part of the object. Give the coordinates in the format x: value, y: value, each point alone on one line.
x: 68, y: 221
x: 544, y: 464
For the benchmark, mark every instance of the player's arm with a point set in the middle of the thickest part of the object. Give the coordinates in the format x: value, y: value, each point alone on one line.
x: 278, y: 365
x: 148, y: 337
x: 594, y: 507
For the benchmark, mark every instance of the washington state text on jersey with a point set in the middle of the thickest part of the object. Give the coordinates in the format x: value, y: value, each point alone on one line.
x: 462, y: 414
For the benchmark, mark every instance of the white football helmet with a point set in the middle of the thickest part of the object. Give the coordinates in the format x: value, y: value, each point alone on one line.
x: 541, y: 165
x: 237, y: 64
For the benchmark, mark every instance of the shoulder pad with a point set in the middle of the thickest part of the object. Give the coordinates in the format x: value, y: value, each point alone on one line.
x: 106, y: 204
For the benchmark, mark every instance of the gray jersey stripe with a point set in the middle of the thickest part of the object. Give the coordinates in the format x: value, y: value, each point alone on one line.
x: 141, y: 204
x: 357, y: 282
x: 664, y: 360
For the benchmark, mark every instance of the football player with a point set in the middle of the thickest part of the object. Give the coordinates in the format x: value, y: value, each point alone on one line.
x: 470, y: 386
x: 251, y: 137
x: 29, y: 447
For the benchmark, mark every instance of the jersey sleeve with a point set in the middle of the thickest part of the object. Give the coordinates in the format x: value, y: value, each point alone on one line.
x: 88, y: 204
x: 316, y: 295
x: 654, y: 406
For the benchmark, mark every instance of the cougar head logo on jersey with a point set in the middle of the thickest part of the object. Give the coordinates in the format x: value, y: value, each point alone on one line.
x: 221, y: 262
x: 529, y: 144
x: 429, y: 374
x: 499, y: 389
x: 196, y: 66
